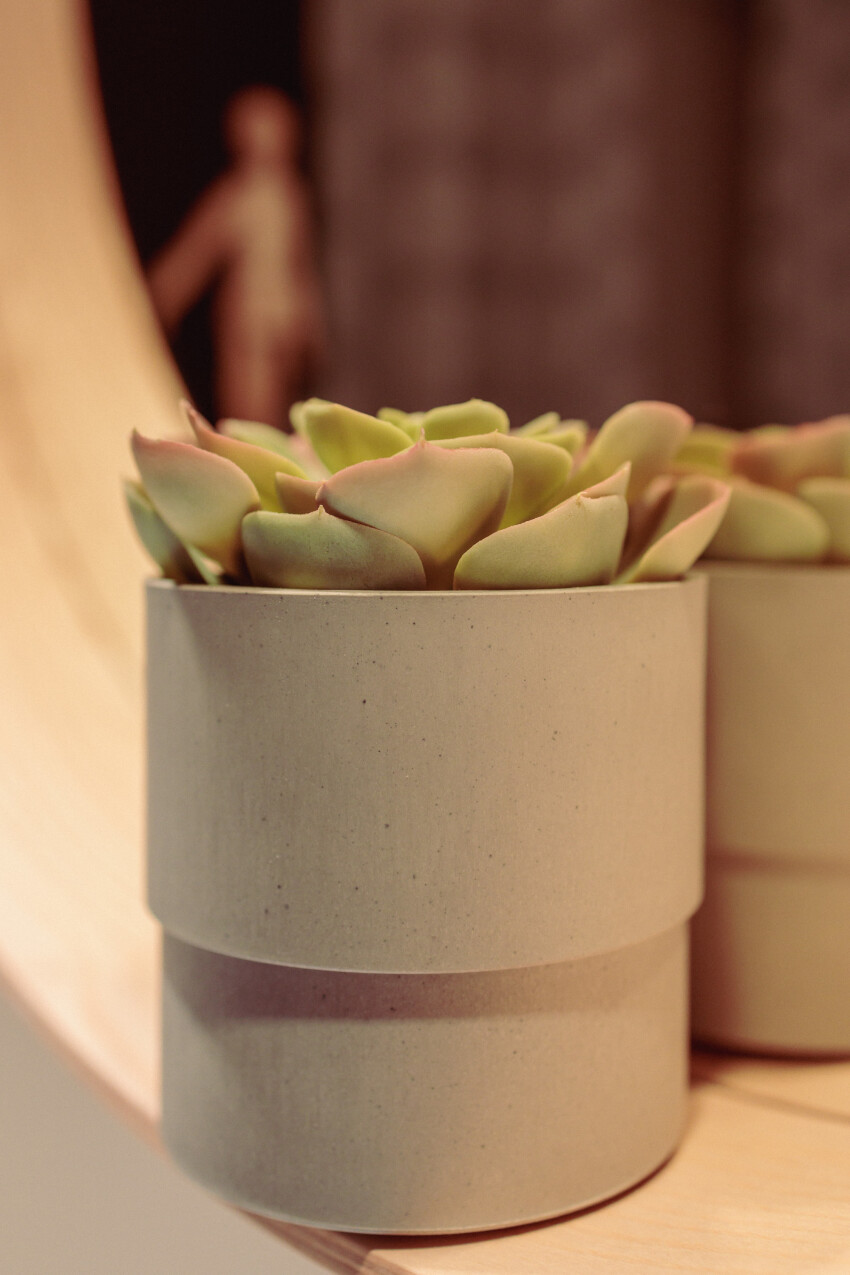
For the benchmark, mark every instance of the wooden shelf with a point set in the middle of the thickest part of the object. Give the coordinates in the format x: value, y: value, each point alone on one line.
x: 761, y: 1182
x: 751, y: 1190
x: 816, y: 1086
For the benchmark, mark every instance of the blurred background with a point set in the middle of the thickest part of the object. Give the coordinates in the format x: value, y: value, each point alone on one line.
x: 560, y: 204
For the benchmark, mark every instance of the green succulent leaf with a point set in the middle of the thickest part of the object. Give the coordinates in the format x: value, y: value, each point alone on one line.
x: 342, y: 437
x: 209, y: 571
x: 293, y: 447
x: 410, y: 422
x: 830, y: 497
x: 577, y: 543
x: 320, y: 551
x: 765, y: 525
x: 458, y: 420
x: 648, y: 434
x: 169, y: 553
x: 768, y: 431
x: 783, y: 458
x: 260, y: 464
x: 438, y: 500
x: 296, y: 413
x: 707, y: 449
x: 540, y: 471
x: 571, y: 435
x: 543, y: 424
x: 260, y: 435
x: 200, y: 496
x: 616, y: 484
x: 692, y: 513
x: 645, y: 514
x: 297, y: 495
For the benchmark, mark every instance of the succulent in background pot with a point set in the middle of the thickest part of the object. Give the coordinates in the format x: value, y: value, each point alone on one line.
x: 425, y: 808
x: 771, y: 955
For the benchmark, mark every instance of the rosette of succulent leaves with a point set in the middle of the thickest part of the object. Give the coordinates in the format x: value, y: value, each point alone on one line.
x: 448, y: 498
x: 789, y: 489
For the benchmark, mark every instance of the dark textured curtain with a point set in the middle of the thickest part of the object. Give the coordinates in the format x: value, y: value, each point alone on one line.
x: 795, y: 231
x: 527, y: 201
x: 573, y: 203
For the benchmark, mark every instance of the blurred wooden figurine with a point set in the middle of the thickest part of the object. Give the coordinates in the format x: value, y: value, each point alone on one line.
x: 249, y: 237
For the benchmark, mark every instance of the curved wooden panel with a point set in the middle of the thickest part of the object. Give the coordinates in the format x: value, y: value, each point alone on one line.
x: 80, y: 363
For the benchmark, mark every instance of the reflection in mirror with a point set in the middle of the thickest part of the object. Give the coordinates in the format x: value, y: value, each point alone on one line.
x: 249, y: 239
x: 558, y: 205
x: 205, y: 117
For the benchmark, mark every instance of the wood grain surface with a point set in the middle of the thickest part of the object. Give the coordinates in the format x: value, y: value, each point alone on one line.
x: 821, y: 1085
x: 751, y: 1190
x: 762, y: 1182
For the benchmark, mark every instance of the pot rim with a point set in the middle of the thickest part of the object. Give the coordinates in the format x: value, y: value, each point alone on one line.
x: 155, y: 582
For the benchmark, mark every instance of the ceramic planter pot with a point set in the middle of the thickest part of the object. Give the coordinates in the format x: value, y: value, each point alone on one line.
x: 424, y: 863
x: 424, y: 1103
x: 423, y: 783
x: 771, y: 961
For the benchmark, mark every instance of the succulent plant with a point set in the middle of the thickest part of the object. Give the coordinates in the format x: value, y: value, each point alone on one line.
x: 448, y: 498
x: 789, y: 485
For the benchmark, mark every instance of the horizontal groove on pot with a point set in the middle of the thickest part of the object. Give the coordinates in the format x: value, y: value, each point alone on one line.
x: 424, y: 782
x: 424, y: 1103
x: 771, y: 945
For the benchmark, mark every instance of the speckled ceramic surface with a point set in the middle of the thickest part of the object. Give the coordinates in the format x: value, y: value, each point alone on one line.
x: 424, y: 1103
x: 424, y: 782
x: 771, y: 960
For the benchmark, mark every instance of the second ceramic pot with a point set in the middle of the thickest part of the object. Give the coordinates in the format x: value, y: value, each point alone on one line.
x: 771, y: 945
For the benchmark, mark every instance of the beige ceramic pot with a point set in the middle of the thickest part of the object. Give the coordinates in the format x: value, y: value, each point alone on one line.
x: 424, y: 1103
x: 424, y: 783
x: 424, y: 863
x: 771, y: 960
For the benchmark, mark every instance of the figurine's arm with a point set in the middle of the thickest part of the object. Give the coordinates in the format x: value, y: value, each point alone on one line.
x: 181, y: 271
